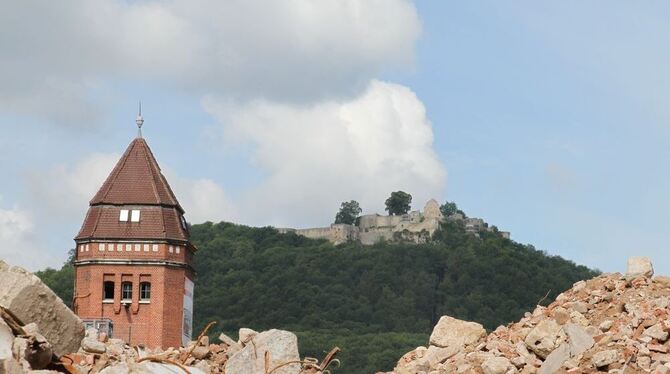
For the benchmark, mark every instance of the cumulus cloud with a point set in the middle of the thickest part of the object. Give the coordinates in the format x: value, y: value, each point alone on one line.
x: 16, y: 231
x: 64, y: 191
x: 318, y: 156
x: 296, y: 50
x: 202, y: 198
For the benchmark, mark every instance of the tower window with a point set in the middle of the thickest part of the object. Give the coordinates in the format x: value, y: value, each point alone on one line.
x: 101, y: 247
x: 126, y: 291
x: 135, y: 216
x: 108, y: 291
x: 145, y: 291
x: 123, y: 215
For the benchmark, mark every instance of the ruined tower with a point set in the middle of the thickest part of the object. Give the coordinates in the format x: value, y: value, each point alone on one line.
x: 133, y: 264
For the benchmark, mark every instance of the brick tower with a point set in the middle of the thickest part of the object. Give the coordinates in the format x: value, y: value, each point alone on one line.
x: 133, y: 255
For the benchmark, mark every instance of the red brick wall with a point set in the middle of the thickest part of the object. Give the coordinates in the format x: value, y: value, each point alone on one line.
x: 91, y: 250
x: 154, y: 324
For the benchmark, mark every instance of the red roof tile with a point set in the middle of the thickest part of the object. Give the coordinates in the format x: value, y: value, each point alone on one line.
x: 136, y: 179
x: 102, y: 222
x: 135, y: 183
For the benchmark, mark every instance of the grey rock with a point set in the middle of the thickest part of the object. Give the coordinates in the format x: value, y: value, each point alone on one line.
x: 148, y: 368
x: 657, y: 332
x: 35, y: 349
x: 227, y: 339
x: 578, y: 339
x: 454, y: 332
x: 200, y: 352
x: 555, y: 360
x: 544, y: 337
x: 639, y: 267
x: 11, y: 366
x: 246, y: 335
x: 437, y: 355
x: 32, y: 301
x: 6, y: 341
x: 282, y: 346
x: 580, y: 307
x: 496, y: 365
x: 92, y: 345
x: 604, y: 358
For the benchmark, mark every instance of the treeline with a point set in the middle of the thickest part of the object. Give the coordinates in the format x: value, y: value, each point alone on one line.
x: 375, y: 302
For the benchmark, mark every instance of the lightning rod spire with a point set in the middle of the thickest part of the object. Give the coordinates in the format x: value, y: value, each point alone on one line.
x: 139, y: 121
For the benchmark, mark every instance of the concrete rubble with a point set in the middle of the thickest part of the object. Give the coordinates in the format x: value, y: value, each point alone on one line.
x: 613, y: 323
x: 26, y: 347
x: 30, y: 300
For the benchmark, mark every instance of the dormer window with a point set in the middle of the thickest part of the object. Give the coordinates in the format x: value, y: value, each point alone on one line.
x: 123, y: 215
x: 135, y: 216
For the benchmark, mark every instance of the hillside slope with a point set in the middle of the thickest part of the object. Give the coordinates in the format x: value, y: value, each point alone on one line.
x: 375, y: 302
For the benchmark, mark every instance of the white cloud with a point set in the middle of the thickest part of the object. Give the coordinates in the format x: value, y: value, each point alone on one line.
x: 55, y: 55
x: 318, y: 156
x: 16, y: 238
x: 64, y: 191
x: 203, y: 199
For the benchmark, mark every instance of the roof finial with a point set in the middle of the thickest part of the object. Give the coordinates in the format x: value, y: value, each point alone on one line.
x: 139, y: 121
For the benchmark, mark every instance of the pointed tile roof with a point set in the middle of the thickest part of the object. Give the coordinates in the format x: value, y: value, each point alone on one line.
x: 136, y: 182
x: 136, y: 179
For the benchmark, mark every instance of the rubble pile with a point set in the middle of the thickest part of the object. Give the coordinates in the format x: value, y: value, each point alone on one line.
x: 39, y: 334
x: 612, y: 323
x: 278, y: 348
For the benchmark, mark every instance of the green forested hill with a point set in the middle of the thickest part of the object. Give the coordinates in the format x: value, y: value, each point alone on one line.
x: 375, y: 302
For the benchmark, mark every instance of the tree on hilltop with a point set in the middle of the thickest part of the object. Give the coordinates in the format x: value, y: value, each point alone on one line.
x: 450, y: 208
x: 349, y: 212
x: 399, y: 203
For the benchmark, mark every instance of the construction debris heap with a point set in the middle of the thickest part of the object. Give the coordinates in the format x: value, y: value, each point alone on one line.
x: 613, y: 323
x: 38, y: 332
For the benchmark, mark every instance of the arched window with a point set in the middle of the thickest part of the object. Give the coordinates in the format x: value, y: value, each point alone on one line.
x: 126, y: 291
x: 108, y: 290
x: 145, y: 291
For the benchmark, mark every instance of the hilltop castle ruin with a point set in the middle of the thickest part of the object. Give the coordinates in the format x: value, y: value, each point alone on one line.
x: 416, y: 226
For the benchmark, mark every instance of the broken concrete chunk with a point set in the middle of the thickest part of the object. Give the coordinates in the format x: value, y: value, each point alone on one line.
x: 578, y: 339
x: 32, y: 301
x: 6, y: 340
x: 281, y: 346
x: 657, y: 332
x: 246, y: 335
x: 92, y: 345
x: 226, y: 339
x: 496, y: 365
x: 604, y: 358
x: 200, y: 352
x: 555, y: 360
x: 454, y: 332
x: 544, y: 338
x: 606, y: 325
x: 639, y: 267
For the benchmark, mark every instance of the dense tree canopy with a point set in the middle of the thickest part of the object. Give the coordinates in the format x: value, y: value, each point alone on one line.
x: 375, y: 302
x: 349, y: 212
x: 398, y: 203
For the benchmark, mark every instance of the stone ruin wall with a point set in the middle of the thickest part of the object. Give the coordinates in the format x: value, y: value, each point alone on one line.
x: 416, y: 226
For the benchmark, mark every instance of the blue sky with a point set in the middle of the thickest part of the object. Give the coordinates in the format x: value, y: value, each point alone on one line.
x: 548, y: 120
